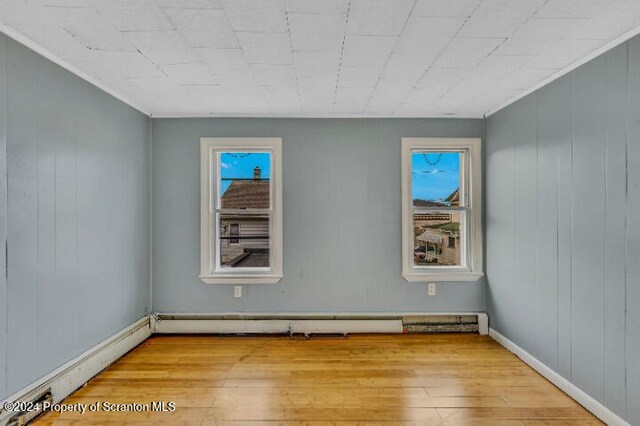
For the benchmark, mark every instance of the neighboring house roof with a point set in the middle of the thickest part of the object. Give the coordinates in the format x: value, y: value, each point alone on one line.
x: 246, y: 194
x: 427, y: 203
x: 454, y: 198
x: 431, y: 236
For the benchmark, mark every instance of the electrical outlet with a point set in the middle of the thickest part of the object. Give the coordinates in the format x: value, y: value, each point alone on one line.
x: 237, y: 291
x: 431, y: 289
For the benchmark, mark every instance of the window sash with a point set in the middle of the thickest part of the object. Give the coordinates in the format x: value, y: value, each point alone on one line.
x: 464, y: 173
x: 216, y: 175
x: 464, y: 241
x: 470, y: 206
x: 216, y: 251
x: 217, y: 211
x: 462, y: 207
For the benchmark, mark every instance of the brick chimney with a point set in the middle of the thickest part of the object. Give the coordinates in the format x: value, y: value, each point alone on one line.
x: 256, y: 173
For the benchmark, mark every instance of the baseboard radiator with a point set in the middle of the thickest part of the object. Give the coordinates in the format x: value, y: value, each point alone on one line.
x: 318, y: 323
x: 440, y: 324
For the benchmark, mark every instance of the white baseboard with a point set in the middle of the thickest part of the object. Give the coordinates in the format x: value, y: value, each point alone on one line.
x: 70, y: 376
x: 483, y: 324
x: 276, y: 326
x: 595, y: 407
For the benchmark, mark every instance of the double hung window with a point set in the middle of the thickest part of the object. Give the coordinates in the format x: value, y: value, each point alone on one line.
x: 441, y: 183
x: 241, y: 210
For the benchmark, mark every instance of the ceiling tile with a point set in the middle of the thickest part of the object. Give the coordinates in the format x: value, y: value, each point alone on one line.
x: 133, y: 15
x: 398, y: 79
x: 421, y: 98
x: 569, y: 8
x: 360, y: 77
x: 427, y: 35
x: 203, y: 27
x: 120, y: 65
x: 442, y: 79
x: 274, y: 75
x: 496, y: 67
x: 189, y: 73
x: 466, y: 52
x: 523, y: 47
x: 316, y: 64
x: 317, y: 32
x: 58, y: 39
x: 350, y: 100
x: 162, y: 85
x: 525, y: 78
x: 266, y: 48
x: 315, y: 6
x: 565, y: 52
x: 499, y: 18
x: 467, y: 89
x: 367, y: 50
x: 162, y: 47
x: 61, y: 3
x: 482, y: 103
x: 417, y: 111
x: 445, y: 8
x: 603, y: 28
x: 281, y: 97
x: 18, y: 12
x: 547, y: 29
x: 406, y: 69
x: 432, y: 87
x: 378, y: 17
x: 90, y: 29
x: 316, y: 94
x: 256, y: 15
x: 191, y: 4
x: 240, y: 85
x: 224, y: 61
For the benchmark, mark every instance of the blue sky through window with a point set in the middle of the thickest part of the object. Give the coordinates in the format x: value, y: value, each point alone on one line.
x: 235, y: 165
x: 435, y: 175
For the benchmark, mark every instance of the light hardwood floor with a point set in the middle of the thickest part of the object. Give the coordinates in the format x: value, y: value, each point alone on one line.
x: 363, y: 379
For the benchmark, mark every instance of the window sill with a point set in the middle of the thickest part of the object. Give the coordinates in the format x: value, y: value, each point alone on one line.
x: 241, y: 279
x: 442, y: 276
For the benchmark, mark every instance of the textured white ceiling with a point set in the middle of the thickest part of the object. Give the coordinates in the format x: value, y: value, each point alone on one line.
x: 405, y: 58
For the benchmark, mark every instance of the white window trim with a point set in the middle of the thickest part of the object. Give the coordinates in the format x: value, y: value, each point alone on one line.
x: 473, y: 271
x: 208, y: 148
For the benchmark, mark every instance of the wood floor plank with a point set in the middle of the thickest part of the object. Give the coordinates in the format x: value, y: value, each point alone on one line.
x: 362, y: 379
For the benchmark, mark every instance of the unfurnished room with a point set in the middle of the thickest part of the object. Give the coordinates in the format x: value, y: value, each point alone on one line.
x: 320, y: 212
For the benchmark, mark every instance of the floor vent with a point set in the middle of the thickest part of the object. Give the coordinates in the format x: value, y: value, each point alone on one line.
x: 31, y: 409
x: 440, y: 324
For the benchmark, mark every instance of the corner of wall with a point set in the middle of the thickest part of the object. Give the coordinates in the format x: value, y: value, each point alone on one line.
x: 3, y: 217
x: 150, y: 121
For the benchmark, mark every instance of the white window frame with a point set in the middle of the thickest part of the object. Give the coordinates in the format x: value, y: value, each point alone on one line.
x: 209, y: 170
x: 472, y: 184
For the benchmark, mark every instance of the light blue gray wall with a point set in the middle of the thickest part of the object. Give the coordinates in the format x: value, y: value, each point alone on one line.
x: 563, y: 226
x: 341, y: 218
x: 75, y: 162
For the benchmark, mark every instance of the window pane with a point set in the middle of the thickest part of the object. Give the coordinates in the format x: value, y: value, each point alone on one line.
x: 234, y: 231
x: 437, y: 238
x: 244, y: 180
x: 244, y: 240
x: 435, y: 178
